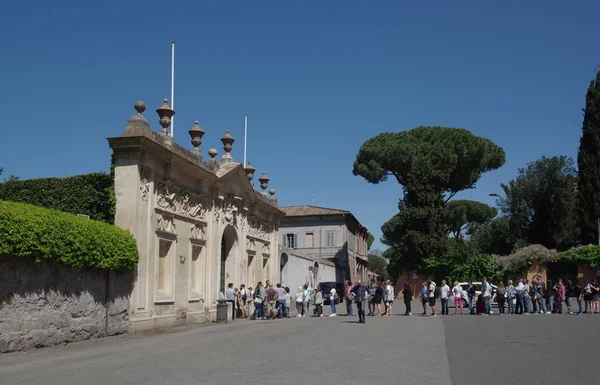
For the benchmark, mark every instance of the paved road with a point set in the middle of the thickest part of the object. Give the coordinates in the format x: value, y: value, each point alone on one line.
x: 387, y: 350
x: 534, y: 349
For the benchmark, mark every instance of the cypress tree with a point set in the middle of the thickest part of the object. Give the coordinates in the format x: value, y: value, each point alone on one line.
x: 588, y: 162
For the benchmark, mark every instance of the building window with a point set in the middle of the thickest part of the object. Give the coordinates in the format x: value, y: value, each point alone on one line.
x: 309, y: 240
x: 330, y: 240
x: 164, y: 284
x: 196, y: 272
x: 290, y: 240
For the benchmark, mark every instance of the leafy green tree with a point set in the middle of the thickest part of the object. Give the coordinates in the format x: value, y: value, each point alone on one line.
x: 462, y: 214
x: 370, y: 240
x: 377, y: 263
x: 588, y: 162
x: 493, y: 237
x: 540, y: 204
x: 432, y: 164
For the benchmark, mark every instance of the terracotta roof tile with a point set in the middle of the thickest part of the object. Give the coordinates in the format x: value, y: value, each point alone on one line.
x: 305, y: 211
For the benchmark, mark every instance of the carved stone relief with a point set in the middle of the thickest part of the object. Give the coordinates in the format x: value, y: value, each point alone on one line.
x: 199, y: 231
x: 166, y: 223
x: 180, y: 201
x: 267, y: 248
x: 250, y: 245
x: 258, y: 229
x: 145, y: 184
x: 227, y: 212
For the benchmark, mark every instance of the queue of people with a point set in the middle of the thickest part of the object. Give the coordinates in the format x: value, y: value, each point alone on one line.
x: 270, y: 301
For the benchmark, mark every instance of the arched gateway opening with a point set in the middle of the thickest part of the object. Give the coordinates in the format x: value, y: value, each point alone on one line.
x: 283, y: 268
x: 228, y: 248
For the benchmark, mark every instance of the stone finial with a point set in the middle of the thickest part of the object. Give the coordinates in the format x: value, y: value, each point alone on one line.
x: 140, y: 107
x: 227, y: 140
x: 272, y: 192
x: 137, y: 124
x: 165, y: 113
x: 212, y: 163
x: 196, y: 134
x: 250, y: 171
x: 264, y: 182
x: 272, y: 198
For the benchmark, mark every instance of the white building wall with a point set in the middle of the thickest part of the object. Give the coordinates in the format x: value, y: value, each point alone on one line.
x: 296, y: 271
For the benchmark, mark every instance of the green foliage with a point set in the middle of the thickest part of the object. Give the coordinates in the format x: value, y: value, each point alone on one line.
x: 589, y: 254
x: 39, y: 233
x: 540, y: 204
x: 370, y: 240
x: 518, y: 262
x: 493, y: 237
x: 432, y: 164
x: 461, y: 214
x: 588, y: 163
x: 377, y: 263
x: 90, y: 194
x: 464, y: 262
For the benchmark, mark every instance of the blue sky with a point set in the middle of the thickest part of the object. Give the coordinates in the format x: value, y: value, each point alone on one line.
x: 316, y: 78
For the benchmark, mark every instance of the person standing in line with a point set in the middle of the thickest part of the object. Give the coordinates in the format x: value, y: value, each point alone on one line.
x: 534, y: 296
x: 471, y: 297
x: 379, y: 297
x: 444, y: 294
x: 271, y: 301
x: 349, y: 297
x: 519, y: 295
x: 510, y: 297
x: 486, y: 292
x: 310, y: 295
x: 360, y: 291
x: 306, y: 296
x: 457, y: 292
x: 281, y: 308
x: 389, y: 298
x: 333, y: 297
x: 299, y: 301
x: 501, y: 297
x: 407, y: 294
x: 549, y: 296
x: 526, y: 297
x: 570, y: 293
x: 431, y: 293
x: 288, y: 299
x: 259, y: 304
x: 243, y: 300
x: 541, y: 289
x: 319, y: 302
x: 372, y: 299
x: 230, y: 297
x: 561, y: 294
x: 595, y: 297
x: 424, y: 297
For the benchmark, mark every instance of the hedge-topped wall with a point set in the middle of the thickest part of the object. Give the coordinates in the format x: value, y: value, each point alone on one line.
x: 44, y: 234
x: 89, y: 194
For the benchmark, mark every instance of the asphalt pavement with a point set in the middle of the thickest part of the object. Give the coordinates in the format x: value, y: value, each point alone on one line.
x: 548, y: 349
x: 328, y: 350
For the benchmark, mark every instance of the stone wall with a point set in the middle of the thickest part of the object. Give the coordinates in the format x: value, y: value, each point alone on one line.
x: 45, y: 304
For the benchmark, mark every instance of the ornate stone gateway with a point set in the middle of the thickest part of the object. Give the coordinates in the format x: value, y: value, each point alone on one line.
x: 198, y: 224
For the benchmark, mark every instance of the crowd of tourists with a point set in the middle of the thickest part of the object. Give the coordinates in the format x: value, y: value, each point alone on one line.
x: 270, y: 301
x: 520, y: 297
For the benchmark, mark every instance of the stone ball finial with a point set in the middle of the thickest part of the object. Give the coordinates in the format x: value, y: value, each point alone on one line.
x: 272, y: 192
x: 250, y: 171
x: 165, y: 113
x: 196, y: 134
x: 212, y: 152
x: 139, y: 106
x: 264, y: 181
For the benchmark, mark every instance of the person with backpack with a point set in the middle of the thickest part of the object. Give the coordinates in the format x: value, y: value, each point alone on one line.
x: 471, y: 292
x: 433, y: 294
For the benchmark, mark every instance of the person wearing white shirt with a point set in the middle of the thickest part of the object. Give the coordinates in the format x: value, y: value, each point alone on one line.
x: 486, y: 290
x: 332, y: 298
x: 431, y: 293
x: 457, y: 291
x: 519, y: 294
x: 444, y: 293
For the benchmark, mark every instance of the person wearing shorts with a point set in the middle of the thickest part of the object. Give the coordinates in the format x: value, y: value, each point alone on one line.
x: 431, y: 293
x: 271, y: 301
x: 457, y: 292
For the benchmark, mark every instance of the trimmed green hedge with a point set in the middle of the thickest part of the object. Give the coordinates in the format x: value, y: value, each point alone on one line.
x: 89, y: 194
x: 39, y: 233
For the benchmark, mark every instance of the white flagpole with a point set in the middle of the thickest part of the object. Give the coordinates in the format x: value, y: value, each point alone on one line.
x: 172, y: 86
x: 245, y: 137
